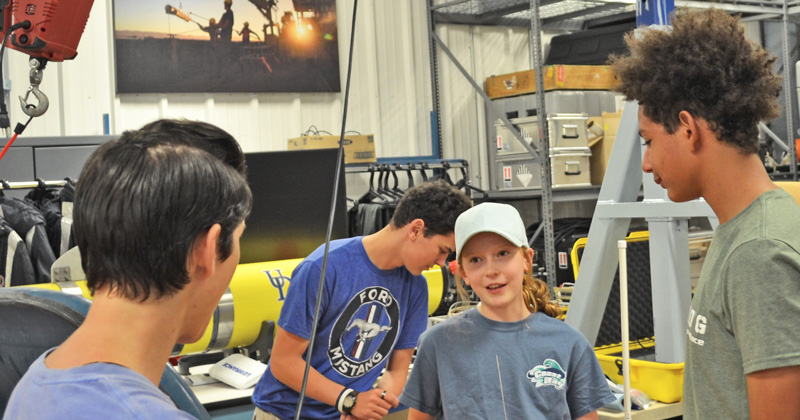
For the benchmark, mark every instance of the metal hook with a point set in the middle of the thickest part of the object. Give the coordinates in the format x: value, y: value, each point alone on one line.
x: 34, y: 110
x: 44, y: 103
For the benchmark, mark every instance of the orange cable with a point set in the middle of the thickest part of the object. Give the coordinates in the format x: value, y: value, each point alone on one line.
x: 5, y: 149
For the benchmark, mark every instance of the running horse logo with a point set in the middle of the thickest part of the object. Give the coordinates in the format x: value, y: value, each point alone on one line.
x: 368, y: 330
x: 365, y: 332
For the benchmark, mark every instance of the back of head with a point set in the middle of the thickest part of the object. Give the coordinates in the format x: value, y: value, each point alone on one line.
x: 199, y: 134
x: 140, y: 204
x: 437, y: 203
x: 702, y: 64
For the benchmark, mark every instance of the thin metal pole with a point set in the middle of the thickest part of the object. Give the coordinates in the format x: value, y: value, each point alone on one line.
x: 544, y: 148
x: 436, y: 120
x: 623, y: 316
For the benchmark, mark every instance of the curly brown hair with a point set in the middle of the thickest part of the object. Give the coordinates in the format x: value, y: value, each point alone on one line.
x: 706, y: 66
x: 534, y: 291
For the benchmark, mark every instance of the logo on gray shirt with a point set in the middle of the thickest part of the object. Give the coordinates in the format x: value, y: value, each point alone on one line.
x: 549, y: 373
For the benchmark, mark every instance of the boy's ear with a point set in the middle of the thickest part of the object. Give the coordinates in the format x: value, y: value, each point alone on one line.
x: 416, y: 229
x: 203, y: 256
x: 690, y: 129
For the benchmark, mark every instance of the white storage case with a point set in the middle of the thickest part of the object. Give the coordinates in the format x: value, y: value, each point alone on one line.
x: 570, y: 167
x: 568, y: 130
x: 505, y: 142
x: 517, y: 174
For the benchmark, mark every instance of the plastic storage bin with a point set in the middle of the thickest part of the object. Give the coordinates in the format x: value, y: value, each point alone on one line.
x: 661, y: 381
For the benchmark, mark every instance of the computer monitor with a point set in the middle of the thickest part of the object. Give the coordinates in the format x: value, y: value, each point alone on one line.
x: 292, y: 193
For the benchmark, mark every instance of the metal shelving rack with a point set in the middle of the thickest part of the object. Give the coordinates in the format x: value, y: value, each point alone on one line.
x: 577, y: 15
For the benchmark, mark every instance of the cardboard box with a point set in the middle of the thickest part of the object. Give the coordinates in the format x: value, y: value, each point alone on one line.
x: 555, y: 77
x: 601, y: 150
x: 357, y: 148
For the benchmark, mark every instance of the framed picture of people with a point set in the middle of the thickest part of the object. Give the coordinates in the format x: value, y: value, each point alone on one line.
x: 178, y: 46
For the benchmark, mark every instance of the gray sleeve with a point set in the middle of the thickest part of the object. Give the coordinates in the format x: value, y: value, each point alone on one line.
x: 421, y: 391
x: 762, y: 298
x: 588, y: 390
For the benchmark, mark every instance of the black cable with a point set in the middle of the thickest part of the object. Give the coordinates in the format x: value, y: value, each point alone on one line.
x: 21, y: 127
x: 339, y: 161
x: 315, y: 131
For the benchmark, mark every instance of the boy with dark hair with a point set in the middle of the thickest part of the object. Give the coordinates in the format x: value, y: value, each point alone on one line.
x: 158, y: 226
x: 702, y: 89
x: 198, y: 134
x: 374, y: 309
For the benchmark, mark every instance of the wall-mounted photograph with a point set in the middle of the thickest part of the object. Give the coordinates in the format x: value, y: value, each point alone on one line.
x: 178, y: 46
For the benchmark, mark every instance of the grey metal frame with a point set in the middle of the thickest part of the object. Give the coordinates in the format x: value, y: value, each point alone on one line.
x: 544, y: 139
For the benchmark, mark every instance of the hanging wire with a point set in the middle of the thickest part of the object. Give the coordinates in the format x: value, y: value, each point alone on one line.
x: 339, y: 161
x: 312, y: 129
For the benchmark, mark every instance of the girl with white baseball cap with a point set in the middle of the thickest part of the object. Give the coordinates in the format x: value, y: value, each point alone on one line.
x: 508, y: 358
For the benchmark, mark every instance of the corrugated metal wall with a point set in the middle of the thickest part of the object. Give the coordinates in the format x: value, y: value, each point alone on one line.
x: 390, y: 88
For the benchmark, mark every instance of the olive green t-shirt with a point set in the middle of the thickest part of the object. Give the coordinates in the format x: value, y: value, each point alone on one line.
x: 745, y: 314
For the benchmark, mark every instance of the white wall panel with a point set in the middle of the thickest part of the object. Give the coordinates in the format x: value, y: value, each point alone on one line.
x: 193, y: 107
x: 137, y: 109
x: 86, y: 90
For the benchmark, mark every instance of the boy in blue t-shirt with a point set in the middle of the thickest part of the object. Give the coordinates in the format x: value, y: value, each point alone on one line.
x: 374, y: 307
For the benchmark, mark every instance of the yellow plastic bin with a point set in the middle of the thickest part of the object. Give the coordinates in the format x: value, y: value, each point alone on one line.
x: 661, y: 381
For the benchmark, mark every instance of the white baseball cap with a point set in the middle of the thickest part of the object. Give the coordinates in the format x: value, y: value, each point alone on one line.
x: 498, y: 218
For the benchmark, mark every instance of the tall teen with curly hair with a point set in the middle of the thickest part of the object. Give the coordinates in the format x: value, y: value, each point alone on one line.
x: 509, y: 357
x: 702, y: 90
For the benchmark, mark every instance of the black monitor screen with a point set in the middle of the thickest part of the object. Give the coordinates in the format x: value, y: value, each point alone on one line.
x: 292, y: 192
